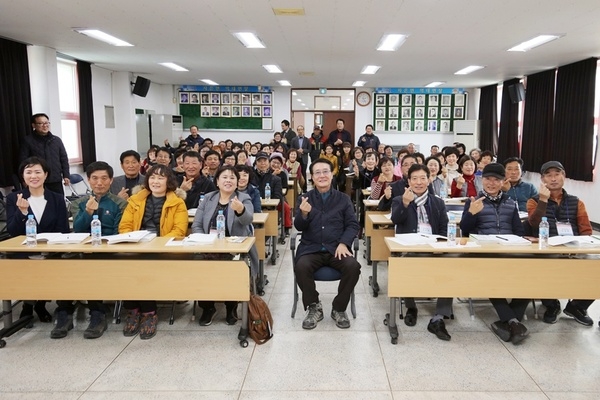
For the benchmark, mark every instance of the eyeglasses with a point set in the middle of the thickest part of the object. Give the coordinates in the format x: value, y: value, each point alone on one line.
x: 321, y: 173
x: 43, y: 123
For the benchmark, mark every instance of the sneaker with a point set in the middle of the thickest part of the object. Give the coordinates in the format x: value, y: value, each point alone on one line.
x: 231, y: 317
x: 410, y: 319
x: 148, y: 325
x: 580, y: 315
x: 314, y: 314
x: 341, y: 319
x: 518, y: 332
x: 552, y: 312
x: 207, y: 316
x: 132, y: 323
x: 502, y: 330
x: 64, y: 323
x: 97, y: 325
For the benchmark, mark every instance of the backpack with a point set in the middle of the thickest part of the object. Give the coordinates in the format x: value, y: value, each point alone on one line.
x: 260, y: 324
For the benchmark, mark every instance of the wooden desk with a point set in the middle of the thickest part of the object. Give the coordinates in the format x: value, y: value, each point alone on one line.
x: 259, y: 221
x: 292, y: 191
x: 272, y: 224
x: 147, y: 279
x: 377, y: 227
x: 491, y: 271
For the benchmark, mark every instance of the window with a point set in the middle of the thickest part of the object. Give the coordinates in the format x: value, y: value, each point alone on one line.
x: 69, y: 108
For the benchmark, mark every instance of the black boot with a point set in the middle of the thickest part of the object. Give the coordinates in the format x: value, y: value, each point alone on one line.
x: 27, y: 310
x: 231, y: 317
x: 42, y: 313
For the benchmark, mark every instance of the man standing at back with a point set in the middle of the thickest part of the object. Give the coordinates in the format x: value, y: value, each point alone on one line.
x: 287, y: 133
x: 567, y: 216
x: 194, y: 137
x: 368, y: 140
x: 42, y: 143
x: 302, y: 144
x: 339, y: 136
x: 328, y: 224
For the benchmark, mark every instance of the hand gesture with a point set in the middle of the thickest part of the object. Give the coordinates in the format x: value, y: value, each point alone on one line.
x: 186, y: 184
x: 66, y: 181
x: 460, y: 180
x: 123, y: 193
x: 476, y: 205
x: 355, y: 169
x: 166, y: 142
x: 305, y: 206
x: 237, y: 205
x: 342, y: 251
x: 338, y: 142
x: 91, y: 205
x: 505, y: 186
x: 22, y: 203
x: 544, y: 193
x: 196, y: 147
x: 444, y: 172
x: 407, y: 197
x: 388, y: 192
x: 205, y: 171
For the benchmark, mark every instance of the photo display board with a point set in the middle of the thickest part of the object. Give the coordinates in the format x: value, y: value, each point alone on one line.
x: 226, y: 107
x: 418, y: 109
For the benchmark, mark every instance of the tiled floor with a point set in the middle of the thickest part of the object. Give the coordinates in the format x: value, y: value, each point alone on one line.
x: 185, y: 361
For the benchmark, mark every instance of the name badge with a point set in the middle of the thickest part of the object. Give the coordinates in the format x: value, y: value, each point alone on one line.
x: 424, y: 228
x: 564, y: 229
x: 213, y: 231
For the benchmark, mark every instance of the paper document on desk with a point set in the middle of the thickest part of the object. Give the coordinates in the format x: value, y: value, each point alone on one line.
x: 130, y: 237
x: 412, y: 239
x: 574, y: 241
x: 61, y: 238
x: 444, y: 245
x: 507, y: 240
x: 199, y: 238
x: 192, y: 212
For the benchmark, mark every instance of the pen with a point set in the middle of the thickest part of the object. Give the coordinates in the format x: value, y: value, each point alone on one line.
x: 500, y: 237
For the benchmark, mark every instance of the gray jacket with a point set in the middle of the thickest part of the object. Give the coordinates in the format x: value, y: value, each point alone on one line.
x: 305, y: 147
x: 119, y: 183
x: 237, y: 226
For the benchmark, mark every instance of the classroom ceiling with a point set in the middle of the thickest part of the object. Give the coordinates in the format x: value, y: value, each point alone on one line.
x: 326, y: 47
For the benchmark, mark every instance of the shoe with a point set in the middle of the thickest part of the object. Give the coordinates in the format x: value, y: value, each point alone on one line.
x: 341, y: 319
x: 410, y: 318
x: 231, y: 317
x: 26, y: 311
x: 42, y: 313
x: 438, y: 328
x: 552, y: 312
x: 518, y: 332
x: 313, y: 316
x: 148, y: 325
x: 502, y: 330
x: 64, y: 323
x: 97, y: 325
x: 580, y: 315
x: 132, y: 323
x: 287, y: 232
x: 207, y: 316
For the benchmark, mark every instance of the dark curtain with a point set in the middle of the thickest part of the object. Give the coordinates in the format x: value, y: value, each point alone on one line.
x: 488, y: 117
x: 15, y: 106
x: 573, y: 136
x: 86, y: 113
x: 508, y: 139
x: 538, y: 119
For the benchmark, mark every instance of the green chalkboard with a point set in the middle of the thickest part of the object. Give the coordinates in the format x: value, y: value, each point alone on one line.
x: 191, y: 116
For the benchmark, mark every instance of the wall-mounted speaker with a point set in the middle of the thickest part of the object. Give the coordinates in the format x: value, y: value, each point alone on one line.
x: 516, y: 92
x: 141, y: 86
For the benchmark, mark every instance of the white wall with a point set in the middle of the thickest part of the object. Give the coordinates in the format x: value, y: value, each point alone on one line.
x: 43, y: 77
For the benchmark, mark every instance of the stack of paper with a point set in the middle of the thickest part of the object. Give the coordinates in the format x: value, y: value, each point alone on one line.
x: 574, y: 241
x: 130, y: 237
x: 61, y: 238
x: 192, y: 212
x: 200, y: 238
x: 413, y: 239
x: 507, y: 240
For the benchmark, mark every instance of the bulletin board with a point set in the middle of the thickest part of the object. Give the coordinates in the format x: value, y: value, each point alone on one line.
x: 418, y: 109
x: 226, y: 107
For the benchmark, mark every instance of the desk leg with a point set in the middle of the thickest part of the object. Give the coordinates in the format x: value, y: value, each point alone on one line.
x: 390, y: 321
x: 373, y: 280
x: 262, y: 278
x: 243, y: 335
x: 368, y: 249
x: 273, y: 250
x: 9, y: 326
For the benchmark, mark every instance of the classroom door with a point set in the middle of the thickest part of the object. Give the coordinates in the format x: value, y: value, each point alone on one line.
x: 329, y: 122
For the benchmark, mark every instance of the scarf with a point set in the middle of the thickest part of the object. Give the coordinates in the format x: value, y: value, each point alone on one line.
x: 494, y: 199
x: 421, y: 211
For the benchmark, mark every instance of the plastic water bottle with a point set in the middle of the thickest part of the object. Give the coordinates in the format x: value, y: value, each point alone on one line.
x: 544, y: 234
x: 443, y: 191
x: 220, y: 225
x: 451, y: 234
x: 267, y: 192
x: 31, y: 231
x: 96, y: 231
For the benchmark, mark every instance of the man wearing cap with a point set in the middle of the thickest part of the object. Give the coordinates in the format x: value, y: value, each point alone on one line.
x: 566, y: 216
x: 513, y: 186
x: 368, y: 140
x: 317, y: 143
x: 494, y: 213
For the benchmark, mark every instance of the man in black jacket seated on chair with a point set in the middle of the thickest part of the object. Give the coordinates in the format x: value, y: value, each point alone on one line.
x: 328, y: 224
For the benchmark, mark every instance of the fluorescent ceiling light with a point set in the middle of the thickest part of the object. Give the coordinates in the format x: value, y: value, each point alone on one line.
x: 434, y: 84
x: 391, y: 42
x: 533, y: 43
x: 102, y: 36
x: 174, y: 66
x: 272, y: 69
x: 468, y: 70
x: 286, y: 83
x: 299, y: 99
x: 250, y: 40
x: 209, y: 82
x: 370, y: 69
x: 359, y: 83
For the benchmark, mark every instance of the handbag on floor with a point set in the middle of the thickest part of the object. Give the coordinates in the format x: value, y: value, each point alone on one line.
x: 260, y: 325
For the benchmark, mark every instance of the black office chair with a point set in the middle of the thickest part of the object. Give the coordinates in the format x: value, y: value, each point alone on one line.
x: 324, y: 274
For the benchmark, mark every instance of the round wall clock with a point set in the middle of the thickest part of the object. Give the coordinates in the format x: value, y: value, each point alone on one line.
x: 363, y: 99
